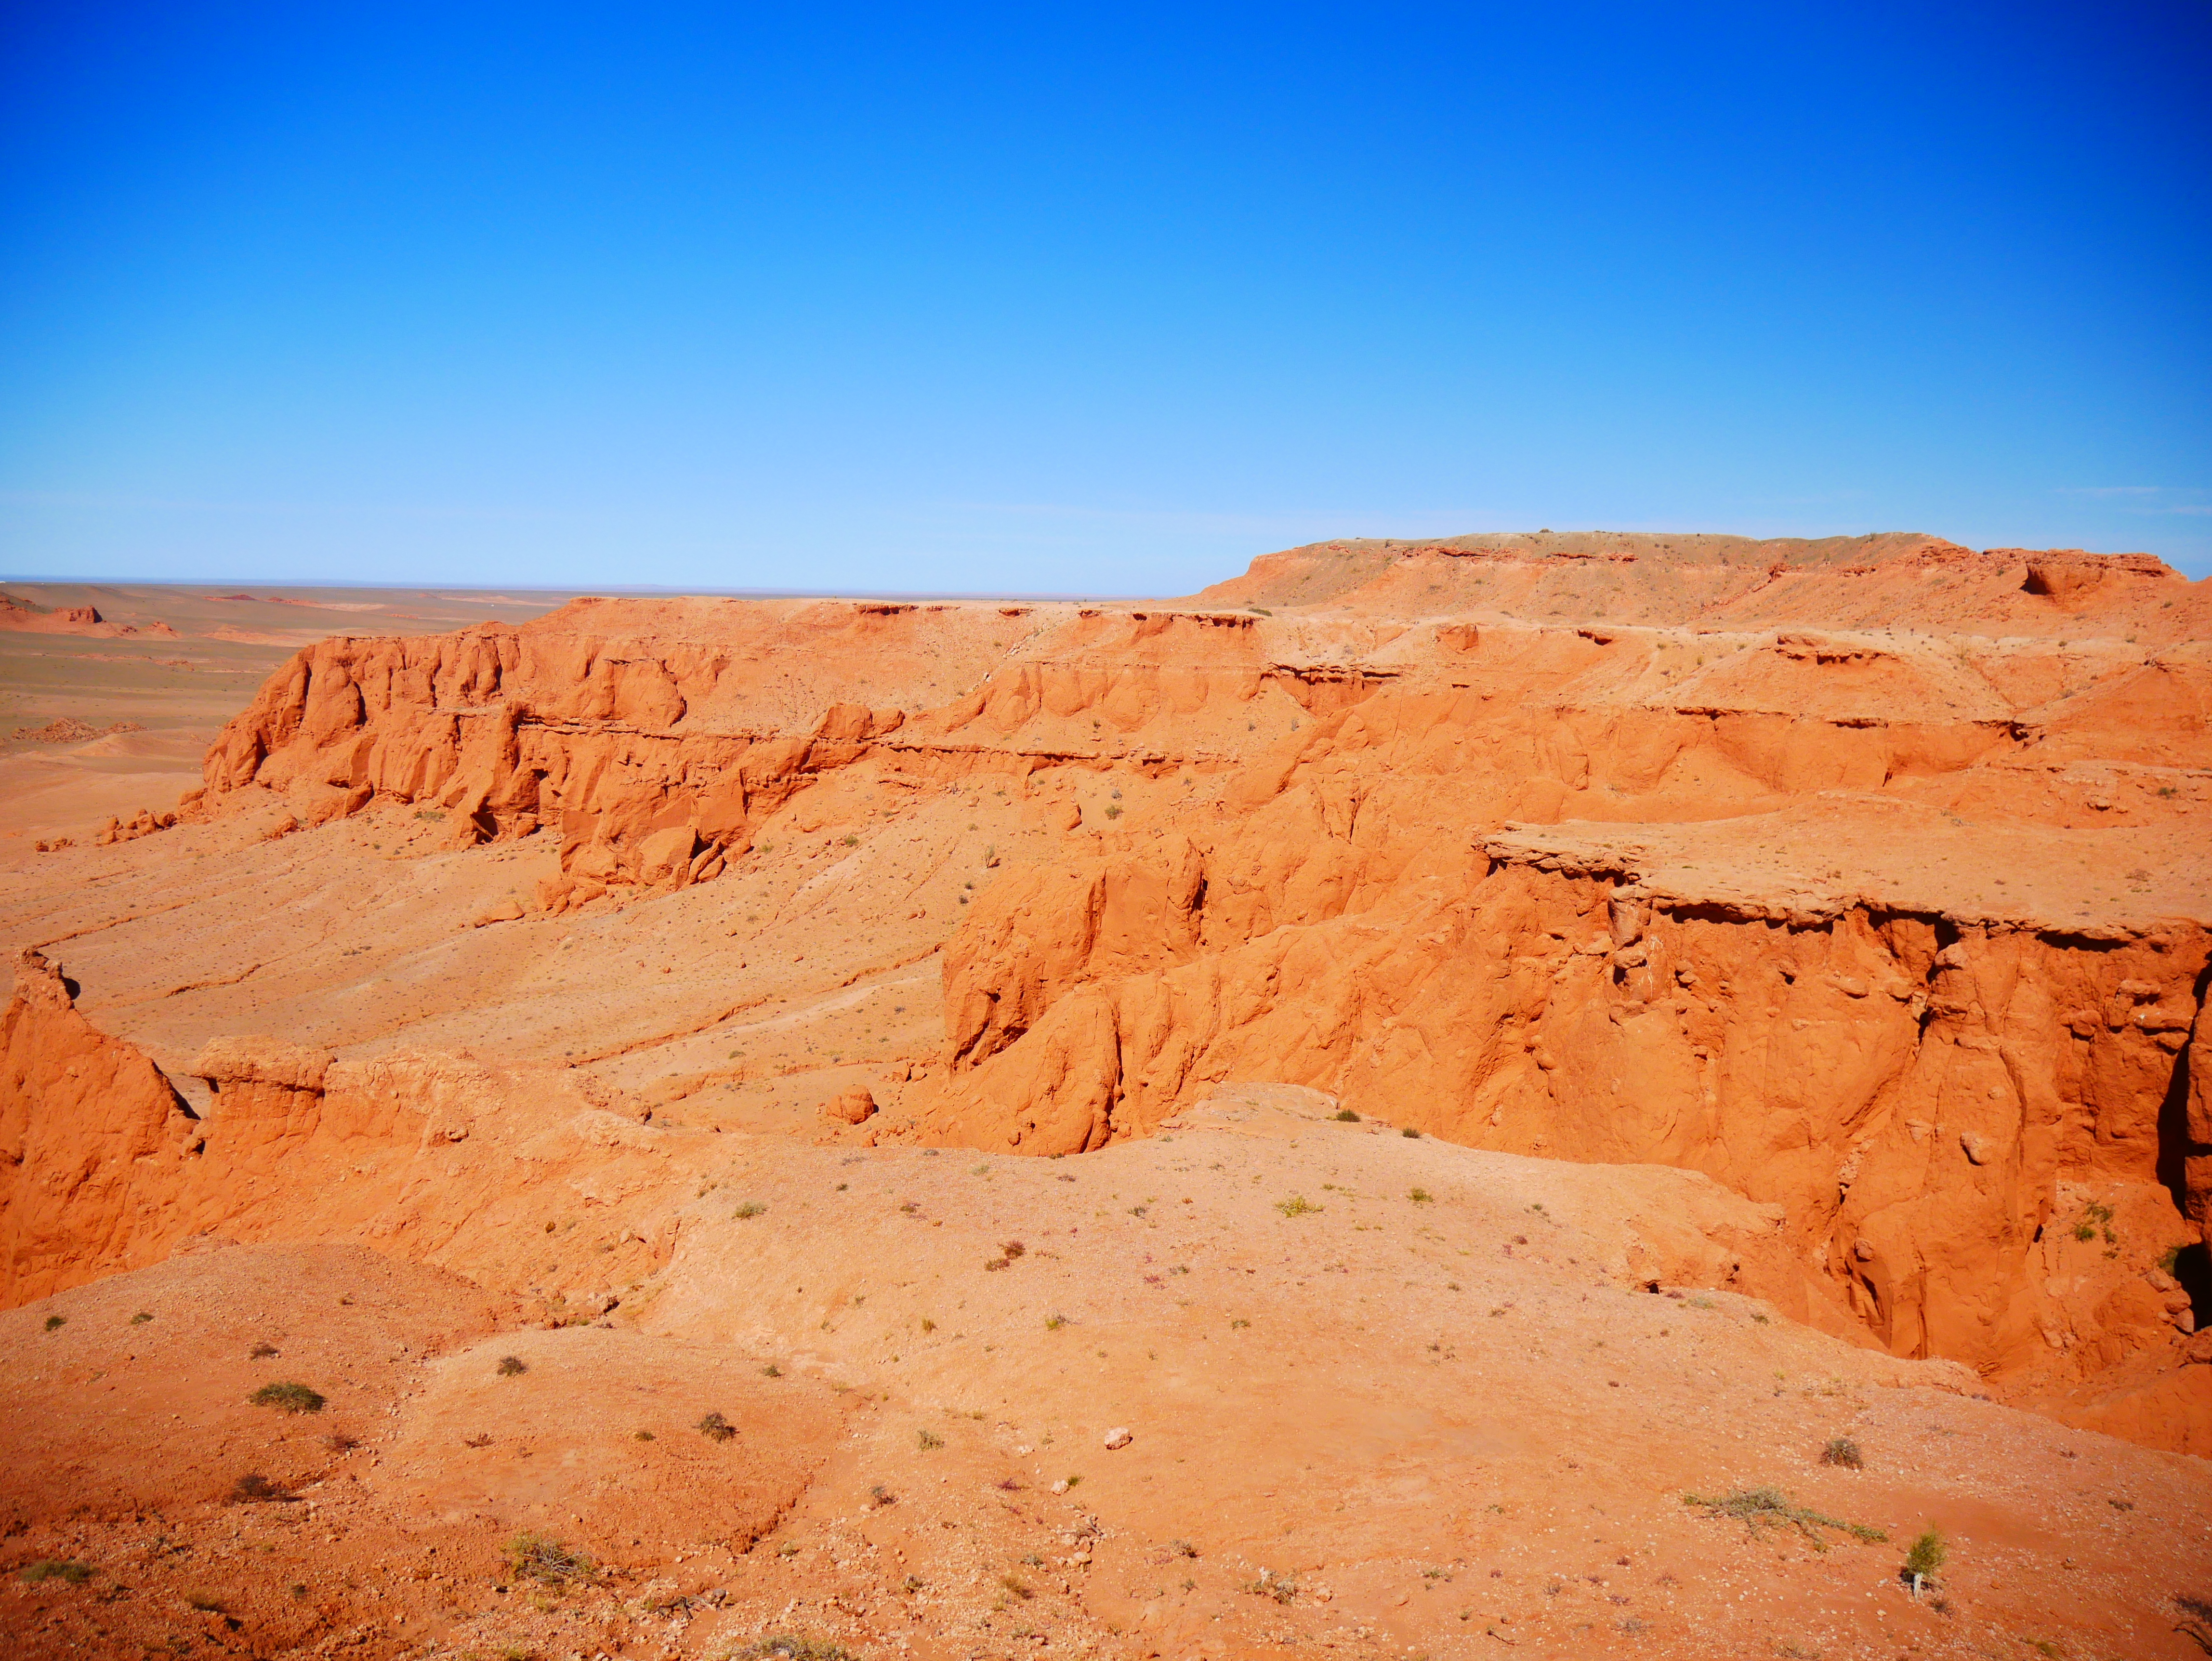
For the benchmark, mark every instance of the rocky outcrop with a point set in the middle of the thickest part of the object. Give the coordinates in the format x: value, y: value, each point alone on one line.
x: 94, y: 1141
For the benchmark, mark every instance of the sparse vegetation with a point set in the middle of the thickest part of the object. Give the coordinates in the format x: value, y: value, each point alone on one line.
x: 56, y: 1323
x: 643, y: 1435
x: 261, y: 1352
x: 1762, y: 1508
x: 1182, y: 1549
x: 749, y: 1209
x: 1410, y: 1132
x: 1281, y: 1587
x: 1053, y: 1322
x: 539, y: 1557
x: 288, y: 1397
x: 1298, y: 1206
x: 141, y: 1319
x: 1842, y: 1450
x: 771, y: 1370
x: 1924, y: 1557
x: 1016, y: 1585
x: 716, y: 1428
x: 510, y: 1365
x: 253, y: 1488
x: 1345, y: 1115
x: 57, y: 1568
x: 1419, y: 1196
x: 789, y: 1646
x: 928, y: 1441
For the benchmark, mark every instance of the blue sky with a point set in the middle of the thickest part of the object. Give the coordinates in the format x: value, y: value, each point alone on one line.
x: 1085, y: 300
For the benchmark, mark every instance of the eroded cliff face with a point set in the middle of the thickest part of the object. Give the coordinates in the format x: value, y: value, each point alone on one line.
x: 1868, y: 878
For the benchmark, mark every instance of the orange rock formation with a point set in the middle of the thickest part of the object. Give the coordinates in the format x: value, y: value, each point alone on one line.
x: 1868, y: 878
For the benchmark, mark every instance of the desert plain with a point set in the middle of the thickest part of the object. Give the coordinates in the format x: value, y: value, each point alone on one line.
x: 1533, y: 1094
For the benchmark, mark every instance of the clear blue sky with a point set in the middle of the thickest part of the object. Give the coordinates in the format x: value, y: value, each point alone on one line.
x: 1085, y: 300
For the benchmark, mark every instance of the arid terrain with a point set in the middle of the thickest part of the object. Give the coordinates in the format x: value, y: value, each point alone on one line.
x: 1552, y: 1095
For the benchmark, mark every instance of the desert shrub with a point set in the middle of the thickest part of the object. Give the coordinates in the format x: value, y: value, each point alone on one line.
x: 253, y: 1488
x: 57, y: 1568
x: 1842, y: 1450
x: 771, y: 1370
x: 1762, y: 1508
x: 290, y: 1397
x: 1013, y: 1249
x: 643, y: 1435
x: 510, y: 1365
x: 1411, y: 1132
x: 1297, y: 1206
x: 1015, y: 1585
x: 342, y: 1443
x: 261, y: 1352
x: 928, y: 1441
x: 56, y: 1323
x: 1345, y: 1115
x: 716, y: 1428
x: 1281, y: 1587
x: 141, y: 1317
x: 749, y: 1209
x: 789, y: 1646
x: 1053, y: 1322
x: 1419, y: 1196
x: 1926, y: 1555
x: 540, y: 1557
x: 1182, y: 1549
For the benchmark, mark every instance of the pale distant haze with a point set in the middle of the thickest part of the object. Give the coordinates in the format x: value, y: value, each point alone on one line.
x: 1085, y: 300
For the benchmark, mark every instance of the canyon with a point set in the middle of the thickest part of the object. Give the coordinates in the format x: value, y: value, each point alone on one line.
x: 1447, y: 1047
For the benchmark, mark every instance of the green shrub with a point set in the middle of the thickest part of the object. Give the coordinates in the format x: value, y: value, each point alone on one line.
x: 1410, y: 1131
x: 1926, y: 1555
x: 56, y: 1323
x: 1298, y: 1206
x: 928, y: 1441
x: 510, y: 1365
x: 789, y: 1646
x: 57, y: 1568
x: 1759, y: 1509
x: 292, y: 1398
x: 1345, y: 1115
x: 749, y: 1209
x: 716, y: 1428
x: 1842, y: 1450
x: 540, y: 1557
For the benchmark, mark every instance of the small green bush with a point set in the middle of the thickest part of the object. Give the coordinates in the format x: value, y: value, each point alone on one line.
x: 789, y: 1646
x: 716, y: 1428
x: 141, y: 1319
x: 57, y: 1568
x: 1410, y: 1131
x: 1419, y: 1196
x: 1926, y: 1555
x: 56, y: 1323
x: 510, y: 1365
x: 749, y: 1209
x: 1298, y: 1206
x: 1345, y: 1115
x: 539, y: 1557
x: 1759, y: 1509
x: 928, y: 1441
x: 292, y: 1398
x: 1842, y: 1450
